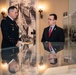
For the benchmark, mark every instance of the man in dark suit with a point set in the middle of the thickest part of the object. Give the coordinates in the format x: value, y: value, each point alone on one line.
x: 10, y: 34
x: 53, y: 34
x: 57, y: 35
x: 9, y: 28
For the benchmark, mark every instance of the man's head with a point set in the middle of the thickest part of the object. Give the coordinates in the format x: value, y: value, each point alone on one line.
x: 13, y: 12
x: 13, y: 67
x: 53, y: 59
x: 52, y: 19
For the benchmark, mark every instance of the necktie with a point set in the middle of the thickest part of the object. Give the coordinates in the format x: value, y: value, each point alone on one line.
x: 50, y: 31
x: 50, y: 47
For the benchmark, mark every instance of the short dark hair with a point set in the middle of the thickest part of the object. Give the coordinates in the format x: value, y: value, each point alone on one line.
x: 55, y: 16
x: 11, y: 7
x: 11, y: 70
x: 55, y: 61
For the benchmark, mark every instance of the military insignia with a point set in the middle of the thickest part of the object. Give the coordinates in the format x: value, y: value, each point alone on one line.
x: 12, y: 24
x: 16, y: 25
x: 55, y: 29
x: 12, y: 29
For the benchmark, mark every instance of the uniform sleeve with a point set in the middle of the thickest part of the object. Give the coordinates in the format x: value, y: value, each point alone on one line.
x: 6, y: 33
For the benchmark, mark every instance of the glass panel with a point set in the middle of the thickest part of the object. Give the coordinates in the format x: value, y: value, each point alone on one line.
x: 19, y: 62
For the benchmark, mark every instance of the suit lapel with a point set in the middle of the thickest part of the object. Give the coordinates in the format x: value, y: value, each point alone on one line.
x: 55, y: 28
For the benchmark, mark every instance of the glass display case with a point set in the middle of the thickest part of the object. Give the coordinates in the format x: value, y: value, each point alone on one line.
x: 28, y: 61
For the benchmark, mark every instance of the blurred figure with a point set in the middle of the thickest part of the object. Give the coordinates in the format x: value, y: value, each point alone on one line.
x: 11, y: 59
x: 52, y: 58
x: 13, y: 66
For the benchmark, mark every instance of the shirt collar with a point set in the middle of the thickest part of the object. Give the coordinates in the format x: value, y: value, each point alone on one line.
x: 52, y: 27
x: 10, y: 17
x: 11, y: 61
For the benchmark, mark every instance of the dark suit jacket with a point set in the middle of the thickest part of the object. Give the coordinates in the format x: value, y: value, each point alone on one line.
x: 7, y: 54
x: 10, y: 33
x: 57, y: 38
